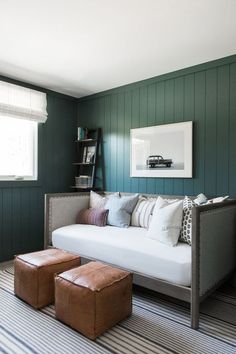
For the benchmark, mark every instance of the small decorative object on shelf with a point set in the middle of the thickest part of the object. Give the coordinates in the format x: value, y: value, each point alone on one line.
x: 88, y: 149
x: 82, y: 133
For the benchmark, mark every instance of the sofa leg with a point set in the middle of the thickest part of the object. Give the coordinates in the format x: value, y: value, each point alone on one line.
x: 195, y: 314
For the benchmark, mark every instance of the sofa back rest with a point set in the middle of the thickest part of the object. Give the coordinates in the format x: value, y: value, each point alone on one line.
x: 61, y: 209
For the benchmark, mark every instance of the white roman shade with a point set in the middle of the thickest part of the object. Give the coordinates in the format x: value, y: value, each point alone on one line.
x: 23, y: 103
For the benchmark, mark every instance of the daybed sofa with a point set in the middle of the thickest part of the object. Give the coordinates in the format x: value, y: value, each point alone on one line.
x: 188, y: 273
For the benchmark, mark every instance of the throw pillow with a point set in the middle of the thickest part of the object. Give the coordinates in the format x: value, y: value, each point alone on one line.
x: 142, y: 213
x: 120, y: 209
x: 166, y: 222
x: 92, y: 216
x: 186, y: 232
x: 98, y: 201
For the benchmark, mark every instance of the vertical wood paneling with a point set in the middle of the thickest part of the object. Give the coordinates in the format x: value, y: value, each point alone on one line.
x: 6, y: 222
x: 128, y: 117
x: 135, y: 124
x: 143, y: 122
x: 207, y: 97
x: 16, y: 222
x: 120, y: 141
x: 223, y: 130
x: 160, y: 117
x: 100, y: 118
x: 199, y: 132
x: 34, y: 222
x: 169, y: 118
x: 232, y: 131
x: 189, y: 116
x: 151, y: 116
x: 114, y: 147
x: 178, y: 183
x: 25, y: 216
x: 107, y: 141
x: 211, y: 132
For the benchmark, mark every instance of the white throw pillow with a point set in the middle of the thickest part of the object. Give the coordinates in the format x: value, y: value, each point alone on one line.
x: 166, y: 222
x: 98, y: 201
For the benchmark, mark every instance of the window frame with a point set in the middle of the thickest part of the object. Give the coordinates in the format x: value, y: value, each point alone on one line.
x: 14, y: 183
x: 34, y: 176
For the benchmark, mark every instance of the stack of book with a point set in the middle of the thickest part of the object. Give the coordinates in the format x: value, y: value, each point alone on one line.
x: 83, y: 181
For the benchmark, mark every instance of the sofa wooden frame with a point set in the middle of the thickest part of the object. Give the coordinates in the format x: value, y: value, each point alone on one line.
x: 213, y: 248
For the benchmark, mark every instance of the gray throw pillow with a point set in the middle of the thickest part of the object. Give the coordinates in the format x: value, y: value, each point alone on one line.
x: 120, y: 210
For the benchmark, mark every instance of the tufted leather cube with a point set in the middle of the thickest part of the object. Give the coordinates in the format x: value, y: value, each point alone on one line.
x: 93, y: 298
x: 34, y: 274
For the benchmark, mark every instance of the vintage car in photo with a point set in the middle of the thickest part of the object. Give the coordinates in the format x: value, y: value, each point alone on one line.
x: 158, y: 161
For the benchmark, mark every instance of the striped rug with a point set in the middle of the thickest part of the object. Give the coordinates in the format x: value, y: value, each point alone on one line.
x: 156, y: 326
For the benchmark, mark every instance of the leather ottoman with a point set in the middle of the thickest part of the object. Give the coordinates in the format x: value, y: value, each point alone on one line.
x: 93, y: 298
x: 34, y: 274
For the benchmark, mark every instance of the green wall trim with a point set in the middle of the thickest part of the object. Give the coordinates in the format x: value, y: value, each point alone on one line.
x: 175, y: 74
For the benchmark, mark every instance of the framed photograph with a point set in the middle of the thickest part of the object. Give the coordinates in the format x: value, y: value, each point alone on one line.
x: 162, y: 151
x: 90, y: 154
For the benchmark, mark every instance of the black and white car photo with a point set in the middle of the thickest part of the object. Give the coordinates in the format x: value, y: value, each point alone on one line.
x: 154, y: 161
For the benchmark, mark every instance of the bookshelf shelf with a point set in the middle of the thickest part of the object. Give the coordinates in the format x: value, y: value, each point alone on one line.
x: 86, y: 166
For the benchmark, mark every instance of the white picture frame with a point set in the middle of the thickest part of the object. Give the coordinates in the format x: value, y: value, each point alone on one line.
x: 172, y: 142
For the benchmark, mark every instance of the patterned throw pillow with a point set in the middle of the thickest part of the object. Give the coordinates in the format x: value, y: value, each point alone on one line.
x: 186, y: 232
x: 142, y: 213
x: 120, y: 210
x: 92, y: 216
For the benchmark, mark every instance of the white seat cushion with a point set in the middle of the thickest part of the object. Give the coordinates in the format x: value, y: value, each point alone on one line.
x: 127, y: 248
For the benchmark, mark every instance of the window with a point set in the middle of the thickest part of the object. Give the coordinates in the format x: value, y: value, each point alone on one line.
x: 18, y: 149
x: 21, y: 109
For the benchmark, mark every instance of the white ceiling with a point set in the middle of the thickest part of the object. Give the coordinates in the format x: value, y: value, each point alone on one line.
x: 80, y: 47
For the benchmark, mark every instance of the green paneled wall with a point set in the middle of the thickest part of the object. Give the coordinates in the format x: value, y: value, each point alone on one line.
x: 204, y: 94
x: 22, y: 203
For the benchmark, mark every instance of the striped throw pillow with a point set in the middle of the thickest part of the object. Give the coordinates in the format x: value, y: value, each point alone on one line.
x: 91, y: 216
x: 142, y: 213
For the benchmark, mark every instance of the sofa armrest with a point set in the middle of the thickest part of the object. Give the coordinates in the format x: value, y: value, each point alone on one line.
x: 60, y: 210
x: 214, y: 245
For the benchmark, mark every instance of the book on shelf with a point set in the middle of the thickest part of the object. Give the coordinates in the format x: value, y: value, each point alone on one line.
x: 84, y: 155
